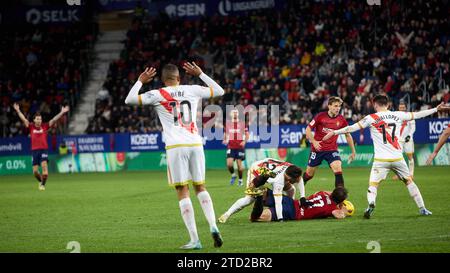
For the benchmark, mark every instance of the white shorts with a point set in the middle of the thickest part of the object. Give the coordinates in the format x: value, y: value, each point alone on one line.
x: 408, y: 147
x: 380, y: 169
x: 184, y: 165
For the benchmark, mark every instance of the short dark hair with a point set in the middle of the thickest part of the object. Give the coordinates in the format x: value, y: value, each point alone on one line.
x: 37, y: 114
x: 170, y: 72
x: 381, y: 100
x: 332, y: 100
x: 293, y: 172
x: 339, y: 194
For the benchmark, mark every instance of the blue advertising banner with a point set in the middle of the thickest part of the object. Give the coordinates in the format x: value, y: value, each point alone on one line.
x: 15, y: 146
x: 429, y: 130
x: 285, y: 136
x: 87, y: 143
x: 146, y: 142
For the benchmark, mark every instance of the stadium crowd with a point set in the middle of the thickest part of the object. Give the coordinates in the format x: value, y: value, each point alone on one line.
x: 295, y: 58
x: 42, y: 68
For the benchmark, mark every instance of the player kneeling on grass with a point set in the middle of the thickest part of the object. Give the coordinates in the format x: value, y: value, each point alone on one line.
x: 283, y: 176
x: 324, y: 204
x: 384, y: 126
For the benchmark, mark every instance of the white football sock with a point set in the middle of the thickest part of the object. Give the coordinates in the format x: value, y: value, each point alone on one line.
x: 415, y: 194
x: 411, y: 167
x: 239, y: 204
x: 207, y: 205
x: 187, y: 212
x: 234, y: 175
x: 372, y: 195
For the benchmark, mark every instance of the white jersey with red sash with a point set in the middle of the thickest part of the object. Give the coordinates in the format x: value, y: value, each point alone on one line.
x: 177, y: 110
x: 407, y: 129
x: 385, y: 131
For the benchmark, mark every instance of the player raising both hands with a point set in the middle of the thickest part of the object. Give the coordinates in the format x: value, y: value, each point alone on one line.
x: 176, y: 106
x: 39, y: 145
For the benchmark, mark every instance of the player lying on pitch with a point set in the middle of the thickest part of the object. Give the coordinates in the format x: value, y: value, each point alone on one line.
x: 283, y: 176
x: 324, y: 204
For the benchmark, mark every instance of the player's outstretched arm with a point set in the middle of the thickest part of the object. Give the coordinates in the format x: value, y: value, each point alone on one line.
x: 64, y: 110
x: 442, y: 139
x: 145, y: 77
x: 349, y: 129
x: 194, y: 70
x: 21, y: 115
x: 440, y: 108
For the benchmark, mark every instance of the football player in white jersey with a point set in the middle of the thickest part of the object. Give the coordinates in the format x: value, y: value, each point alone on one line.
x: 406, y: 139
x: 176, y: 106
x: 283, y: 176
x: 384, y: 129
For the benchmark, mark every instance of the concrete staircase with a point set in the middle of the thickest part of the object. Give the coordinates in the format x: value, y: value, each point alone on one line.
x: 113, y: 28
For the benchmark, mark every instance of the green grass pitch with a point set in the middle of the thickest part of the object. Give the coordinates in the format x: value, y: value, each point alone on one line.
x: 138, y: 212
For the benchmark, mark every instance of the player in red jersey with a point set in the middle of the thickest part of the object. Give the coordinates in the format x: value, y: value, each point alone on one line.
x: 442, y: 139
x: 235, y: 136
x: 324, y: 204
x: 327, y: 150
x: 39, y: 145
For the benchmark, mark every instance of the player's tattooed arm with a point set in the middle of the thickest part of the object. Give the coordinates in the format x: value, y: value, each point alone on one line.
x: 21, y: 115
